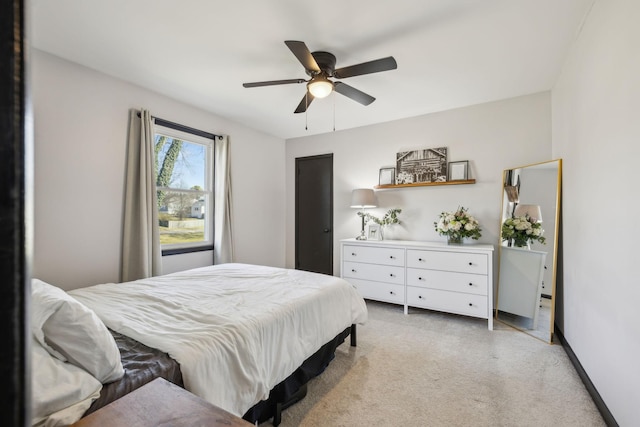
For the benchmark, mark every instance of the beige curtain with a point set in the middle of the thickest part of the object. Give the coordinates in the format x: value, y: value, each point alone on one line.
x: 223, y: 241
x: 141, y: 252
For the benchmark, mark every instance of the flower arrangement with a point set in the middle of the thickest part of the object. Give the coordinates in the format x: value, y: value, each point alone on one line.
x: 521, y: 229
x: 458, y: 225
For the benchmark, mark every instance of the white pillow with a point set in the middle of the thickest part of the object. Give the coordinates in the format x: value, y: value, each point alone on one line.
x: 72, y: 332
x: 61, y: 392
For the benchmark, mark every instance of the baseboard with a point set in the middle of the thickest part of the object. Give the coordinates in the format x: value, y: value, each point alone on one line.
x: 597, y: 399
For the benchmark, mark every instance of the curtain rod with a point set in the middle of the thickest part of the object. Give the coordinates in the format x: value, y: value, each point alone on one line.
x: 178, y: 126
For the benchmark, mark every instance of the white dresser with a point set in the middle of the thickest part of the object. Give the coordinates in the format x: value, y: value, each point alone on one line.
x: 521, y: 282
x: 432, y: 275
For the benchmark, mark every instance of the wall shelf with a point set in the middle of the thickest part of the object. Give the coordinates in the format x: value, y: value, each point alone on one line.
x: 424, y: 184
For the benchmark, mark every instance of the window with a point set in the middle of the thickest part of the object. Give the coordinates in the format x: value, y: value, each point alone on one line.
x: 184, y: 182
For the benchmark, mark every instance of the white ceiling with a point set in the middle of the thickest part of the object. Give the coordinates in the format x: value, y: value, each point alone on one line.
x: 450, y: 53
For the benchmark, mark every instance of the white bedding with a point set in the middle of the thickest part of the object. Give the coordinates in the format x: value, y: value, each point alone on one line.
x: 61, y: 391
x: 237, y: 330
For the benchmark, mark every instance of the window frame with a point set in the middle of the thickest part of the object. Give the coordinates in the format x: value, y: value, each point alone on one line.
x: 194, y: 136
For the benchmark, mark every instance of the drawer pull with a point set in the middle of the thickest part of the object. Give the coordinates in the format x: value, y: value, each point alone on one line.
x: 353, y: 254
x: 391, y: 257
x: 470, y: 263
x: 420, y: 259
x: 391, y: 292
x: 420, y: 278
x: 390, y: 274
x: 419, y: 296
x: 470, y: 284
x: 470, y: 305
x: 353, y: 270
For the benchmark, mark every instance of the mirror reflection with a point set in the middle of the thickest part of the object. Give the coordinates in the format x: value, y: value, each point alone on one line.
x: 528, y: 248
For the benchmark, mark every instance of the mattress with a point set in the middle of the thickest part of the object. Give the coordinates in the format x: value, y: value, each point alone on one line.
x: 237, y: 330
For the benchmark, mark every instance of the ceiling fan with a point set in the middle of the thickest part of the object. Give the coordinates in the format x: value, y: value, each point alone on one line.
x: 321, y: 66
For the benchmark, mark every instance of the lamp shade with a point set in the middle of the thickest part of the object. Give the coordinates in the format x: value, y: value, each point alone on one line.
x: 533, y: 211
x: 320, y: 87
x: 363, y: 198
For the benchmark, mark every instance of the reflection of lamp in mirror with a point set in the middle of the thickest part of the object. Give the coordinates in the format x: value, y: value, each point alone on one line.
x: 532, y: 211
x: 363, y: 198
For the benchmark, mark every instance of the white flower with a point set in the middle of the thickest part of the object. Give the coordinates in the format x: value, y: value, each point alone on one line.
x: 521, y: 230
x: 458, y: 224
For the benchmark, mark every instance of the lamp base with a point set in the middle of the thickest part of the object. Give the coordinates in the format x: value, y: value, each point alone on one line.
x: 362, y: 236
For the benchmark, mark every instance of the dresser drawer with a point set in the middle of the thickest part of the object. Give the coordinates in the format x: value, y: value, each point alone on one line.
x: 447, y: 281
x: 379, y: 291
x: 453, y: 302
x: 462, y: 262
x: 374, y: 255
x: 378, y: 273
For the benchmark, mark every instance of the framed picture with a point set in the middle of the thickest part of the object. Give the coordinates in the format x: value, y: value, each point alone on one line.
x: 459, y: 171
x: 373, y: 231
x: 387, y: 176
x: 427, y: 165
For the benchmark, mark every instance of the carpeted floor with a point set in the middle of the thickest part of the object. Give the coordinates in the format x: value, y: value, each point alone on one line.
x: 436, y: 369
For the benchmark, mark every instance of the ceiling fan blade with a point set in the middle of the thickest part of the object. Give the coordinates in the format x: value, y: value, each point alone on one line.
x: 304, y: 104
x: 303, y: 54
x: 273, y: 82
x: 375, y: 66
x: 353, y: 93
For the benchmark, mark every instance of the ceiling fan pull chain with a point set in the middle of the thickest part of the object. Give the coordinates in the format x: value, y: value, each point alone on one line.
x: 334, y: 111
x: 306, y: 109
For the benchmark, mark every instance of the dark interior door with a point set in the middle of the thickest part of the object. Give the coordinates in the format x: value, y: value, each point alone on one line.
x: 314, y: 213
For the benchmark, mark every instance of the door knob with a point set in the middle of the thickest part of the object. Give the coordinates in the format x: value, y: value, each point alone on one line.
x: 326, y: 230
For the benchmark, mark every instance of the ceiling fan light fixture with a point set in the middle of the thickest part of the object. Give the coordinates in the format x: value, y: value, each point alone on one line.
x: 320, y: 87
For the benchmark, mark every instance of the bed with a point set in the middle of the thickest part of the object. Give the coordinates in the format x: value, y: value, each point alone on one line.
x: 246, y: 338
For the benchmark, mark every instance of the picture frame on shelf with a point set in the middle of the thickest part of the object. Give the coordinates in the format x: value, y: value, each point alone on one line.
x: 425, y: 165
x: 458, y: 171
x: 387, y: 176
x: 373, y: 232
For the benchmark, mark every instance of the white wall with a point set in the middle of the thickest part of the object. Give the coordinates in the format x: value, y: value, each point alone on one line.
x: 596, y: 130
x: 81, y: 119
x: 493, y: 137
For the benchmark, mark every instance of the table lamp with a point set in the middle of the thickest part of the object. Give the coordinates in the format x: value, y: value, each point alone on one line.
x: 363, y: 198
x: 532, y: 211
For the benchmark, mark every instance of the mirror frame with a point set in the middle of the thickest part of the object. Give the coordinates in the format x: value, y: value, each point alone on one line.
x: 553, y: 241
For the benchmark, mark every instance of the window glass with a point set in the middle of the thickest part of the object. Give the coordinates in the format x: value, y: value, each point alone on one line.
x: 184, y: 176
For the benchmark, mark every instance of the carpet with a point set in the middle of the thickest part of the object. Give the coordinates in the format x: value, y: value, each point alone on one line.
x: 436, y: 369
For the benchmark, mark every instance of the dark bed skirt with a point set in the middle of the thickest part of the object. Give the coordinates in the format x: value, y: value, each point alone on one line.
x: 294, y: 387
x: 143, y: 364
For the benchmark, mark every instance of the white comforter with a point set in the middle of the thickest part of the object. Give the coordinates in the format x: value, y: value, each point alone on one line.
x: 237, y: 330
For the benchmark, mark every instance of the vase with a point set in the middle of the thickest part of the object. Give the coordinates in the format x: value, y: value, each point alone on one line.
x: 454, y: 240
x: 519, y: 243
